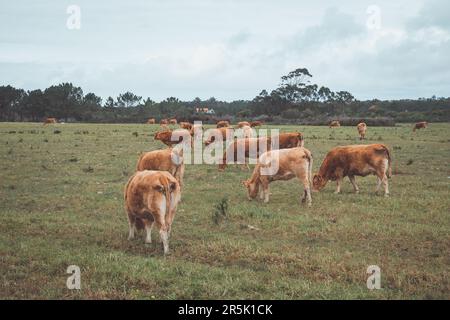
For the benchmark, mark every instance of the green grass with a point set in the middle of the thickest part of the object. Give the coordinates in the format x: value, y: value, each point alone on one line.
x: 61, y: 203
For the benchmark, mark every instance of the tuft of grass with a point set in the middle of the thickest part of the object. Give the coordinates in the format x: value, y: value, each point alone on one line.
x: 220, y: 212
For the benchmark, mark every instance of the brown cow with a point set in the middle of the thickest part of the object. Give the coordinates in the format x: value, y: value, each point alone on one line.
x: 334, y: 124
x: 186, y: 125
x: 170, y: 160
x: 362, y: 127
x: 196, y: 131
x: 151, y: 121
x: 164, y: 122
x: 282, y: 164
x: 420, y: 125
x: 291, y: 140
x: 152, y: 197
x: 223, y: 123
x: 356, y: 160
x: 243, y: 123
x: 255, y: 124
x: 173, y: 121
x: 258, y: 145
x: 214, y: 133
x: 49, y: 121
x: 169, y: 137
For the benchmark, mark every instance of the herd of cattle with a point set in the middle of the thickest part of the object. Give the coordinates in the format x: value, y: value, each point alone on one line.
x: 154, y: 191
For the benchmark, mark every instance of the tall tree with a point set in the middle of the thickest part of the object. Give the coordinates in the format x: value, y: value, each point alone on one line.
x: 128, y: 99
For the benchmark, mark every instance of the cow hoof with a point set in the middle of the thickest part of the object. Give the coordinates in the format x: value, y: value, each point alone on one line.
x: 386, y: 195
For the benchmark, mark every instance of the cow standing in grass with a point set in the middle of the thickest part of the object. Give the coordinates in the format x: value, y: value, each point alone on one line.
x: 420, y: 125
x: 282, y: 164
x: 49, y: 121
x: 222, y: 123
x: 362, y: 127
x: 170, y: 160
x: 151, y: 197
x: 151, y: 121
x: 356, y: 160
x: 169, y: 137
x: 334, y: 124
x: 243, y: 123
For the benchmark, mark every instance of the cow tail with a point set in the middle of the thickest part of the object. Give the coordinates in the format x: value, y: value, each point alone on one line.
x: 389, y: 171
x: 301, y: 139
x: 310, y: 168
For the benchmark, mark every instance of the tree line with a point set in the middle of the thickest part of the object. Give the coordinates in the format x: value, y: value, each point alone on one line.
x: 295, y: 100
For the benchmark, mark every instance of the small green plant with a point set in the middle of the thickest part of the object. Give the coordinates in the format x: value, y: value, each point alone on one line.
x: 220, y: 212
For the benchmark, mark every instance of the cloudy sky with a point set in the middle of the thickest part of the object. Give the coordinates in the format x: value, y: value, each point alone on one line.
x: 229, y: 49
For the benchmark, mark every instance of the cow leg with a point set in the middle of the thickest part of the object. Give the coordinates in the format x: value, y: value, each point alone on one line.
x: 378, y: 184
x: 163, y: 233
x: 386, y: 186
x: 353, y: 181
x: 131, y: 226
x: 338, y: 185
x: 265, y: 188
x: 261, y: 194
x: 148, y: 230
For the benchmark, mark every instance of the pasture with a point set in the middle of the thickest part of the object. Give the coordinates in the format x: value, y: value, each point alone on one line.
x: 61, y: 204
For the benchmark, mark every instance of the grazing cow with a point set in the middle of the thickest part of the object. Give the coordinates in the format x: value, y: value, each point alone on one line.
x: 260, y: 145
x: 213, y: 133
x: 170, y: 160
x: 186, y: 125
x: 334, y: 124
x: 255, y: 124
x: 420, y: 125
x: 151, y: 121
x: 173, y: 121
x: 152, y: 197
x: 362, y: 127
x: 169, y: 137
x: 243, y: 123
x: 164, y: 122
x: 294, y: 162
x: 49, y: 121
x: 291, y: 140
x: 223, y: 123
x: 356, y: 160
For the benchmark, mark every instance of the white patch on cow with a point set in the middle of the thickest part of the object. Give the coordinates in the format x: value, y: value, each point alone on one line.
x: 162, y: 207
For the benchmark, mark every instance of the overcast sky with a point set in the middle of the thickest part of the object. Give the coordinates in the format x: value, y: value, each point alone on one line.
x: 229, y: 49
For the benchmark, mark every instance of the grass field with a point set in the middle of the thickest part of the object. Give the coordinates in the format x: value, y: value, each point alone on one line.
x: 61, y: 203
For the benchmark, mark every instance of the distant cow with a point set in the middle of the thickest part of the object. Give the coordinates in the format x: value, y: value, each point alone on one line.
x: 294, y: 162
x: 362, y: 127
x: 334, y: 124
x: 164, y: 122
x: 243, y: 123
x: 223, y: 123
x: 152, y: 197
x: 186, y: 125
x: 259, y: 145
x: 170, y: 160
x: 255, y: 124
x: 356, y: 160
x: 196, y: 131
x: 291, y: 140
x: 49, y: 121
x: 151, y: 121
x: 245, y: 132
x: 169, y: 137
x: 172, y: 121
x: 420, y: 125
x: 214, y: 133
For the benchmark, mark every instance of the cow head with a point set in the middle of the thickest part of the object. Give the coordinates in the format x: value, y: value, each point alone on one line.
x: 252, y: 188
x: 318, y: 182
